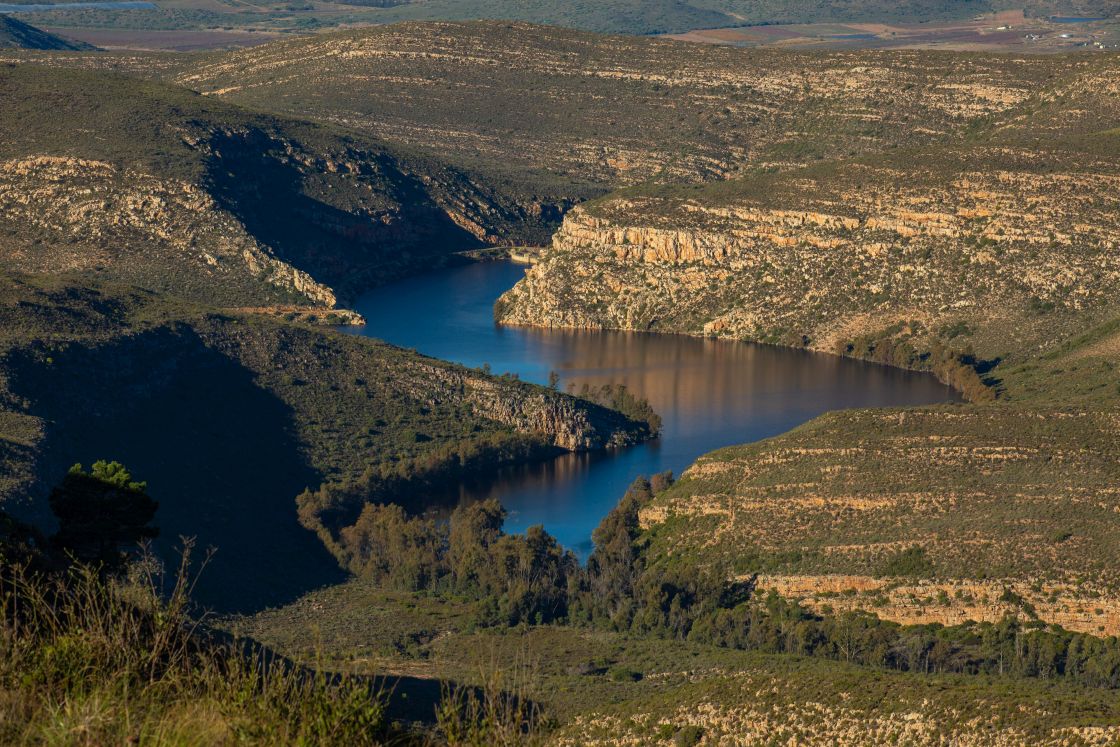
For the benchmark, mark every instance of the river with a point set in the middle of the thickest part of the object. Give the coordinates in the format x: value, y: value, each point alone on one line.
x: 709, y: 393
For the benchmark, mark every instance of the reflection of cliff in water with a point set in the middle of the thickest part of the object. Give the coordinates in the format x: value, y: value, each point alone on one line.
x: 709, y: 393
x: 703, y: 378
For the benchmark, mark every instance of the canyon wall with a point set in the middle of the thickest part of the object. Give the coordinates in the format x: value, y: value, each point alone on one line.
x: 995, y: 256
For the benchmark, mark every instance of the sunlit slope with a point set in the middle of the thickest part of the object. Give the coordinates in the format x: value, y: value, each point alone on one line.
x: 991, y: 262
x: 565, y: 105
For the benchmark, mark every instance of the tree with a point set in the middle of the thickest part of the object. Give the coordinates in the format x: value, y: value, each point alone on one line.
x: 474, y: 528
x: 100, y: 513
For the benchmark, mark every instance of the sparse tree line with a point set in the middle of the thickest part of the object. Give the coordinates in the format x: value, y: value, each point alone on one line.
x: 958, y: 368
x: 618, y: 397
x: 673, y: 597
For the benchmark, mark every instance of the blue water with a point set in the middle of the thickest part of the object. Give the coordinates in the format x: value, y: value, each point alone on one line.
x: 709, y: 393
x: 100, y: 4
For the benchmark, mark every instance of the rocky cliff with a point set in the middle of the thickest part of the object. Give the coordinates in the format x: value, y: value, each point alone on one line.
x: 70, y: 215
x: 982, y: 245
x: 992, y: 262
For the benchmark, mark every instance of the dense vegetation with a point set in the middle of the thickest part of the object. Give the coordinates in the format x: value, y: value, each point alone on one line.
x: 625, y: 587
x: 679, y: 597
x: 107, y: 647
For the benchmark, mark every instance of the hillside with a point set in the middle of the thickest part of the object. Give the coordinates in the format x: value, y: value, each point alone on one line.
x: 552, y: 104
x: 177, y: 390
x: 605, y: 688
x: 1009, y: 248
x: 955, y: 213
x: 156, y: 186
x: 15, y: 34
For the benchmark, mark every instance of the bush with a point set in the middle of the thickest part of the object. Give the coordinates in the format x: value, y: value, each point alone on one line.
x: 909, y: 563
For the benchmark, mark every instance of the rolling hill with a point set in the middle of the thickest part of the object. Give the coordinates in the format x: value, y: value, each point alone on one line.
x: 553, y: 104
x: 638, y: 17
x: 954, y: 213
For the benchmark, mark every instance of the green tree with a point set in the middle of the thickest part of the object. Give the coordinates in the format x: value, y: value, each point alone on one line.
x: 102, y: 514
x: 474, y: 528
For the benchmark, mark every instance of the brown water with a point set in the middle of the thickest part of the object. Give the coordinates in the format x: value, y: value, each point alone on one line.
x: 709, y: 393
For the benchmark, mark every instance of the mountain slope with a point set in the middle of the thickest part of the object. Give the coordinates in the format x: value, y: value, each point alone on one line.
x: 991, y: 262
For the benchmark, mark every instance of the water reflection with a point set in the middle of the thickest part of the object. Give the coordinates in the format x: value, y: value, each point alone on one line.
x: 709, y: 393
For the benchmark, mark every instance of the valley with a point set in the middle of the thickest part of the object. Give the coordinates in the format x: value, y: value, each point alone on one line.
x: 786, y: 256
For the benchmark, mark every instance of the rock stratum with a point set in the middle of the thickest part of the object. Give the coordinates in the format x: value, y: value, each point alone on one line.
x: 936, y: 241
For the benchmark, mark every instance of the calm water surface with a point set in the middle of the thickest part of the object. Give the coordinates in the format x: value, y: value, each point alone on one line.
x: 709, y: 393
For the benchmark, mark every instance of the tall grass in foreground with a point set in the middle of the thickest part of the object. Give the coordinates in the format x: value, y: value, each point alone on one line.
x: 87, y: 660
x: 501, y: 712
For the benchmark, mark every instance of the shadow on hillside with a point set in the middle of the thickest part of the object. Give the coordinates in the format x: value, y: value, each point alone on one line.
x: 217, y: 451
x: 409, y: 699
x: 276, y: 202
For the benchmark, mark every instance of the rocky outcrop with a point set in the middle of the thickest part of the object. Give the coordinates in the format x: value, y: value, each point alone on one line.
x: 570, y: 423
x: 1076, y: 607
x: 86, y: 216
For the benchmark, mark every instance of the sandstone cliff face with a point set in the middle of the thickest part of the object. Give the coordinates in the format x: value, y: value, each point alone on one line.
x: 828, y: 257
x: 1076, y: 607
x: 1005, y: 509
